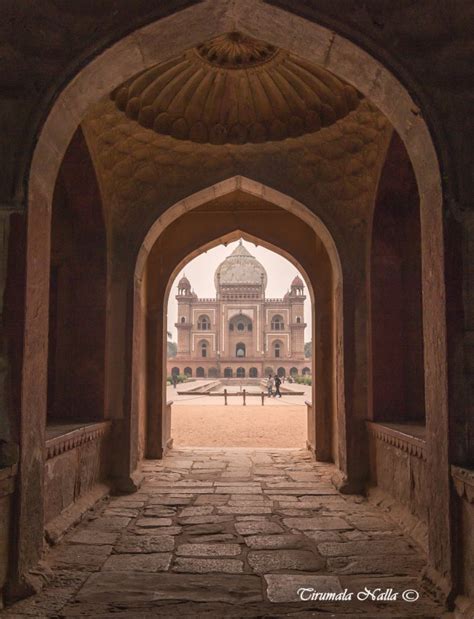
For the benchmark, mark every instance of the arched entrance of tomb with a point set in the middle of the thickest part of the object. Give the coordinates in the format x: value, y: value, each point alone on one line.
x: 215, y: 221
x: 131, y: 55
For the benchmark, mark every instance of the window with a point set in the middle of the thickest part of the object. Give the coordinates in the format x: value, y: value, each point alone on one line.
x: 240, y: 350
x: 203, y: 349
x: 183, y: 319
x: 188, y: 372
x: 277, y: 349
x: 228, y: 373
x: 298, y: 320
x: 253, y: 373
x: 240, y: 326
x: 294, y: 372
x: 240, y: 372
x: 204, y: 324
x: 174, y: 371
x: 281, y: 372
x: 277, y: 323
x: 200, y: 372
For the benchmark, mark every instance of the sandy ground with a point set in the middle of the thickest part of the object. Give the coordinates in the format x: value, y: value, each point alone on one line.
x: 276, y: 425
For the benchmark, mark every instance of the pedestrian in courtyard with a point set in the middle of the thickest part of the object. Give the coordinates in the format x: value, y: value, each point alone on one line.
x: 277, y: 386
x: 174, y: 380
x: 270, y: 384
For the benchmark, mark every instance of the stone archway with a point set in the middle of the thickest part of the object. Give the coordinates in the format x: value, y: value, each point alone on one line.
x: 138, y: 51
x: 325, y: 286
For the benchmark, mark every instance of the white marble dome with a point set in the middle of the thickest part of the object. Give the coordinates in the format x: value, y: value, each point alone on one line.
x: 240, y: 268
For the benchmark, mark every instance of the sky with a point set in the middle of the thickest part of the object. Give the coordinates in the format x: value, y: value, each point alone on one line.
x: 200, y: 272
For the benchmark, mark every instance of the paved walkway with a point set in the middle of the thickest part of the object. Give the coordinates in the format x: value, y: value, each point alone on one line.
x: 233, y: 533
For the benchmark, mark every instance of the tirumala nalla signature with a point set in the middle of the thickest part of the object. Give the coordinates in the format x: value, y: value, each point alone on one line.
x: 377, y: 594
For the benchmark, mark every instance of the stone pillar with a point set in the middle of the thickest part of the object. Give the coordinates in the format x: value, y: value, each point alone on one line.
x: 119, y: 354
x: 8, y: 448
x: 155, y: 397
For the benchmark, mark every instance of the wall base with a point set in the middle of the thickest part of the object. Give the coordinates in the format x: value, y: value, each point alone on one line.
x: 57, y: 527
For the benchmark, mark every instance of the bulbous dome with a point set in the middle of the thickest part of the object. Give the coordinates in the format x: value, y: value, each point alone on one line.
x: 235, y: 90
x: 240, y: 267
x: 297, y: 282
x: 184, y: 282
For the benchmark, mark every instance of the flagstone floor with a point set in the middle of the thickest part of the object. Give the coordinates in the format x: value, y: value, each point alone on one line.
x: 234, y: 533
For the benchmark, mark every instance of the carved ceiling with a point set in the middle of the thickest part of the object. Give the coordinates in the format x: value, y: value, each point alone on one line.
x: 235, y: 90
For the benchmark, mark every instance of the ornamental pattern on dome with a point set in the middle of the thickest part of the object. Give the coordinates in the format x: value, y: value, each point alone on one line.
x: 235, y: 90
x: 236, y: 51
x: 239, y: 268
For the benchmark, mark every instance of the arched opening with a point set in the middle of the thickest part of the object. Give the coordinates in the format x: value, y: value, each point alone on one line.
x: 281, y: 372
x: 188, y: 372
x: 253, y: 373
x: 277, y: 323
x: 277, y: 349
x: 175, y: 371
x: 203, y: 347
x: 240, y: 373
x: 240, y: 349
x: 228, y: 373
x: 77, y: 296
x: 345, y: 59
x: 294, y: 371
x: 200, y: 372
x: 212, y: 373
x: 204, y: 324
x: 306, y: 371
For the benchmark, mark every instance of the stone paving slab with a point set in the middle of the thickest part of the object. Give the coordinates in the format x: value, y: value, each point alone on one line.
x: 285, y: 587
x: 229, y: 533
x: 153, y: 562
x: 265, y: 561
x: 130, y: 586
x: 208, y: 550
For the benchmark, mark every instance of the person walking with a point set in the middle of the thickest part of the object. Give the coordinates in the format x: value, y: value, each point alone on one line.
x: 174, y: 380
x: 277, y: 386
x: 270, y: 384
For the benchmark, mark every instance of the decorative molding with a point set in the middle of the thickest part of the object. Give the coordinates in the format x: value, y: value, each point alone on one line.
x: 399, y: 439
x: 463, y: 482
x: 65, y: 442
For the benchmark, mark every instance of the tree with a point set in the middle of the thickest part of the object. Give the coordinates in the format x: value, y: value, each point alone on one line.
x: 308, y: 349
x: 172, y: 347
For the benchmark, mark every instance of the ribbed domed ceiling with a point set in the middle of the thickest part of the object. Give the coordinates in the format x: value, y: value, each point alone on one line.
x: 235, y: 90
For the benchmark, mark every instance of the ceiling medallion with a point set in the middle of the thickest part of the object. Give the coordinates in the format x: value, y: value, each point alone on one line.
x: 236, y: 51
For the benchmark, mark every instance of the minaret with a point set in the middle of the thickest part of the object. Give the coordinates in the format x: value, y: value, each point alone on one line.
x: 184, y: 325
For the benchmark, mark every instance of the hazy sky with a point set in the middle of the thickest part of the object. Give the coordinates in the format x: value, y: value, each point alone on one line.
x: 200, y: 273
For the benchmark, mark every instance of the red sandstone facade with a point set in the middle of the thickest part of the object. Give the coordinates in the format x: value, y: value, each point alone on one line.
x: 240, y: 333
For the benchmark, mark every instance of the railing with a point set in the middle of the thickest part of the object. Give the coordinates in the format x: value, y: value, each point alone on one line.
x: 464, y: 482
x: 311, y: 427
x: 75, y: 438
x: 167, y: 440
x: 402, y: 436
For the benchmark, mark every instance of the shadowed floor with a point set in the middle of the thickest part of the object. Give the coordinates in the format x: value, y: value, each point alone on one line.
x: 232, y: 532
